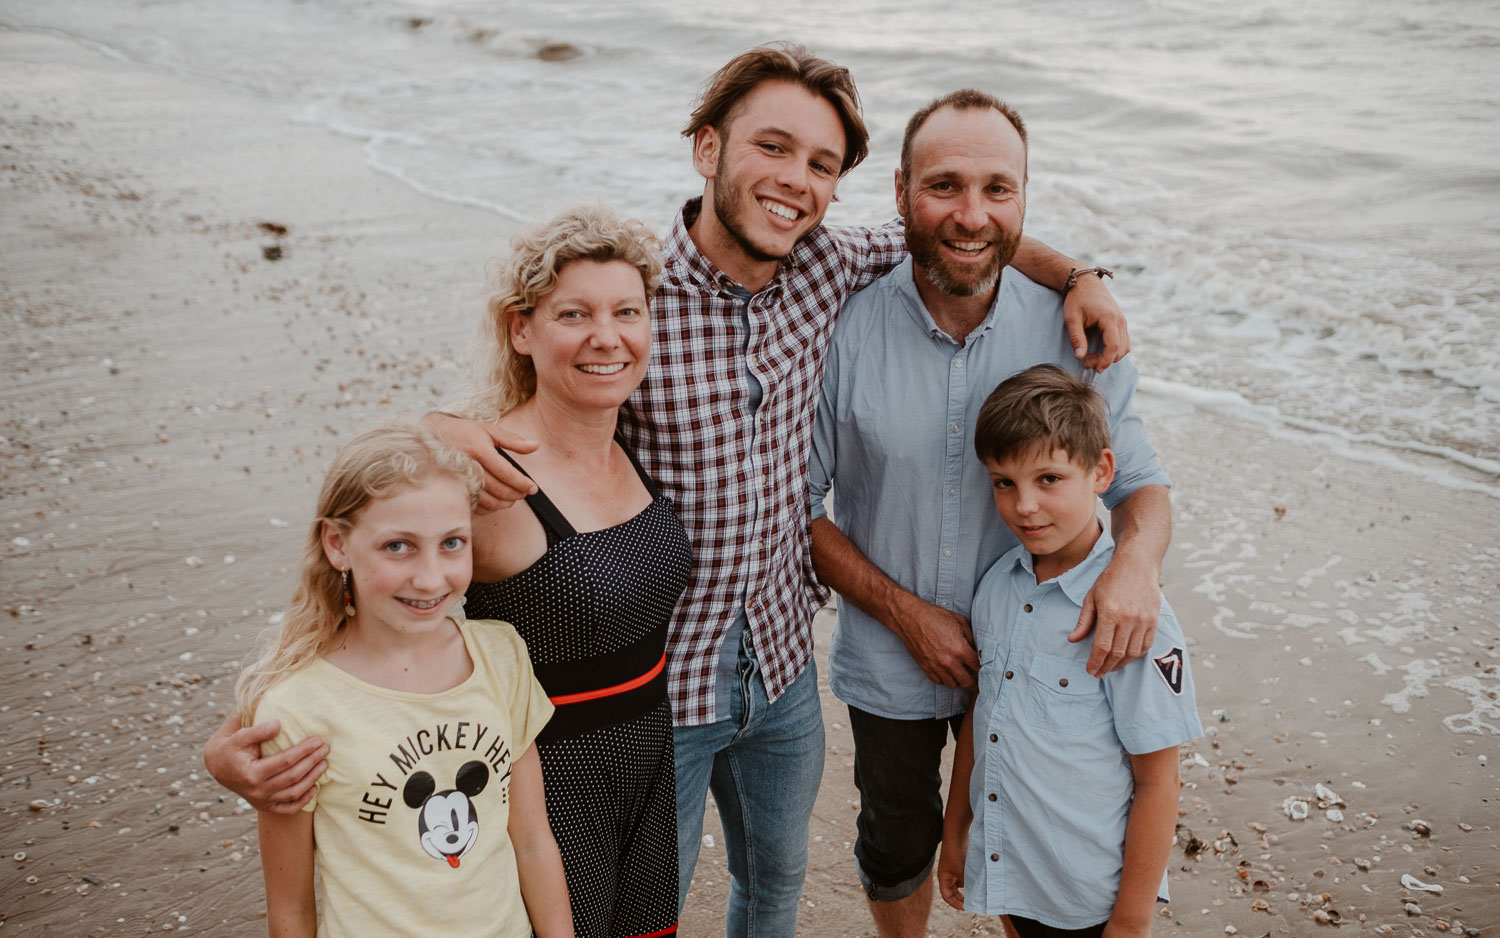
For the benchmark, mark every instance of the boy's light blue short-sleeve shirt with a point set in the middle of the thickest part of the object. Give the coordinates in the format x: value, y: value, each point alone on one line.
x: 1052, y: 785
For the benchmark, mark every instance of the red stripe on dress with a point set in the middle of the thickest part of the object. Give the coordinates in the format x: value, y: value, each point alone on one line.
x: 621, y: 688
x: 669, y: 930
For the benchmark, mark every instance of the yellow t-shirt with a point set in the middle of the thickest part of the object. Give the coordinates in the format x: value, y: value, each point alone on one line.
x: 410, y: 817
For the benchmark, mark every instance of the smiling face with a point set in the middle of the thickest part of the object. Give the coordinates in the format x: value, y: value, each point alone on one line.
x: 408, y: 555
x: 1047, y: 501
x: 590, y: 338
x: 770, y: 174
x: 964, y: 199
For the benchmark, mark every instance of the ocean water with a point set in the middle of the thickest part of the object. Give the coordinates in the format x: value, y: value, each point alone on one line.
x: 1302, y: 200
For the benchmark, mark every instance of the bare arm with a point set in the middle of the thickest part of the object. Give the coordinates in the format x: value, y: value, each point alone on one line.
x: 1148, y: 842
x: 956, y: 818
x: 286, y: 859
x: 504, y: 484
x: 1088, y: 304
x: 281, y: 783
x: 1122, y: 608
x: 544, y: 887
x: 939, y: 640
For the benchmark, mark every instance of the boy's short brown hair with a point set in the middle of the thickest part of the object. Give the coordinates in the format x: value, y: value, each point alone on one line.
x: 1042, y: 408
x: 782, y: 61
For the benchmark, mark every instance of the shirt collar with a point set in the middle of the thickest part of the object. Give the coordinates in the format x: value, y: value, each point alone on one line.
x: 906, y: 288
x: 1077, y: 582
x: 682, y: 251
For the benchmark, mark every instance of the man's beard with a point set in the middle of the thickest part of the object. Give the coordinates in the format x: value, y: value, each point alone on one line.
x: 728, y: 214
x: 926, y: 252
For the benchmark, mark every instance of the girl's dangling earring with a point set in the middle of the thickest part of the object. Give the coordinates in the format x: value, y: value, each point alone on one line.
x: 348, y: 595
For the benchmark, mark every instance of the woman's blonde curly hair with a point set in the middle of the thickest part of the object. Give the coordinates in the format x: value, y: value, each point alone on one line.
x: 501, y: 379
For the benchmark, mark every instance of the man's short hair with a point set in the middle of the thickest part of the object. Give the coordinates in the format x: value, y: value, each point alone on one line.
x: 1040, y: 410
x: 782, y: 61
x: 965, y: 99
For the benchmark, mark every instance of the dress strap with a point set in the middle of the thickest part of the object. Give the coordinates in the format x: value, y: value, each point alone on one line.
x: 645, y: 479
x: 553, y: 522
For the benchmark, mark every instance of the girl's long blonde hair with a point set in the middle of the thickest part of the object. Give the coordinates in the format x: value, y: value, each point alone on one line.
x: 375, y: 464
x: 501, y: 379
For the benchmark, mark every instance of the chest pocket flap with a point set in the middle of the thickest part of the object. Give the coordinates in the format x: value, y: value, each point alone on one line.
x: 1063, y: 696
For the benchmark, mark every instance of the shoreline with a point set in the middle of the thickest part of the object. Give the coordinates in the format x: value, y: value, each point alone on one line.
x: 176, y: 393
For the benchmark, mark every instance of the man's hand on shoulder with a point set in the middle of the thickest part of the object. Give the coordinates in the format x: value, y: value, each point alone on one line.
x: 282, y: 783
x: 1122, y: 611
x: 504, y: 484
x: 939, y: 640
x: 1090, y: 304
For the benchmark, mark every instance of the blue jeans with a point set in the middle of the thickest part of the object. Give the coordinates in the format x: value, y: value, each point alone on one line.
x: 763, y: 765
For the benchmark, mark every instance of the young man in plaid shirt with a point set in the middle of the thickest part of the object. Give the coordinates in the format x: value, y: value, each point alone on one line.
x: 752, y: 286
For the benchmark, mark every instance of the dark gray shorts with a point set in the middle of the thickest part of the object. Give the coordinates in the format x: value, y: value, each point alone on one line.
x: 898, y: 770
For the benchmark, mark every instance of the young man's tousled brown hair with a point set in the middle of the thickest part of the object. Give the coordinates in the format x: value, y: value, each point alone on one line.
x: 1042, y: 409
x: 782, y: 61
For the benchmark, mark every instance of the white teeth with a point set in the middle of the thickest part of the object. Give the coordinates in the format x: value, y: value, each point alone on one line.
x: 429, y: 604
x: 779, y: 210
x: 603, y: 369
x: 969, y: 245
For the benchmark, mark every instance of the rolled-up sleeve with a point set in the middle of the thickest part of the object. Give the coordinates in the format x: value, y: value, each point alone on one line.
x: 820, y: 465
x: 1136, y: 465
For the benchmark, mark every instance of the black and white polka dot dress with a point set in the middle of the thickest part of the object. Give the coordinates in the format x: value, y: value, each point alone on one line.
x: 594, y: 611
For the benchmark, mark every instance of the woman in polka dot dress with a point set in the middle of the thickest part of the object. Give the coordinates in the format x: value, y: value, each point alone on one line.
x: 590, y: 566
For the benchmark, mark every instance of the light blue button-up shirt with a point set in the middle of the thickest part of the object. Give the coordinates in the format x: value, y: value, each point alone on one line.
x: 894, y: 438
x: 1052, y: 784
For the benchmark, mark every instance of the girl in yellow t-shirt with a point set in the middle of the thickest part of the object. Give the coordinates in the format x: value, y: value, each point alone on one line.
x: 430, y: 818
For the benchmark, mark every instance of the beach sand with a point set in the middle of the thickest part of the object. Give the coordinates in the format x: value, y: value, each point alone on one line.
x: 202, y: 299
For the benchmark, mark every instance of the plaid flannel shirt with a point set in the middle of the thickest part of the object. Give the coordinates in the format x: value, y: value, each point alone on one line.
x: 738, y: 475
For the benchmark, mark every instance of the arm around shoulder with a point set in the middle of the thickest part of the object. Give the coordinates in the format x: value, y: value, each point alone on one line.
x: 1123, y: 606
x: 504, y: 484
x: 1087, y: 304
x: 281, y: 783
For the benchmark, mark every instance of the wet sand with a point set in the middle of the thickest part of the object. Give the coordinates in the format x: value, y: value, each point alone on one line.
x: 181, y: 369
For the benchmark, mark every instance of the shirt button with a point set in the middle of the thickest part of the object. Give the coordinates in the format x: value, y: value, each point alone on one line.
x: 947, y: 552
x: 1008, y: 676
x: 995, y: 858
x: 758, y: 545
x: 955, y: 428
x: 952, y: 490
x: 1062, y: 682
x: 958, y: 363
x: 992, y: 796
x: 994, y: 738
x: 1027, y: 607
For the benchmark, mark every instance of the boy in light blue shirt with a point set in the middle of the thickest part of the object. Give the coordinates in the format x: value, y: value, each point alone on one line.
x: 1070, y: 782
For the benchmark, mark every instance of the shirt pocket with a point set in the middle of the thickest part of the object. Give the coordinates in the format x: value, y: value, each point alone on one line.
x: 991, y: 670
x: 1063, y: 697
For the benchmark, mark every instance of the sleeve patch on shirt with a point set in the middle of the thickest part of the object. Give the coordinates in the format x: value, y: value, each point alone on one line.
x: 1169, y: 666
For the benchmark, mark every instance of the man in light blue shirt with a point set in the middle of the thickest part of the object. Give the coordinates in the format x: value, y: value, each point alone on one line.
x: 912, y: 359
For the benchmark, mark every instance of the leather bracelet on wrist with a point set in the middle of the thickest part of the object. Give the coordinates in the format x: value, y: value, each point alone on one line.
x: 1076, y: 272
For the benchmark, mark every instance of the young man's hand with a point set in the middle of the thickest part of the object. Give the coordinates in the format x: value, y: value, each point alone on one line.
x: 504, y: 484
x: 282, y: 783
x: 1089, y: 303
